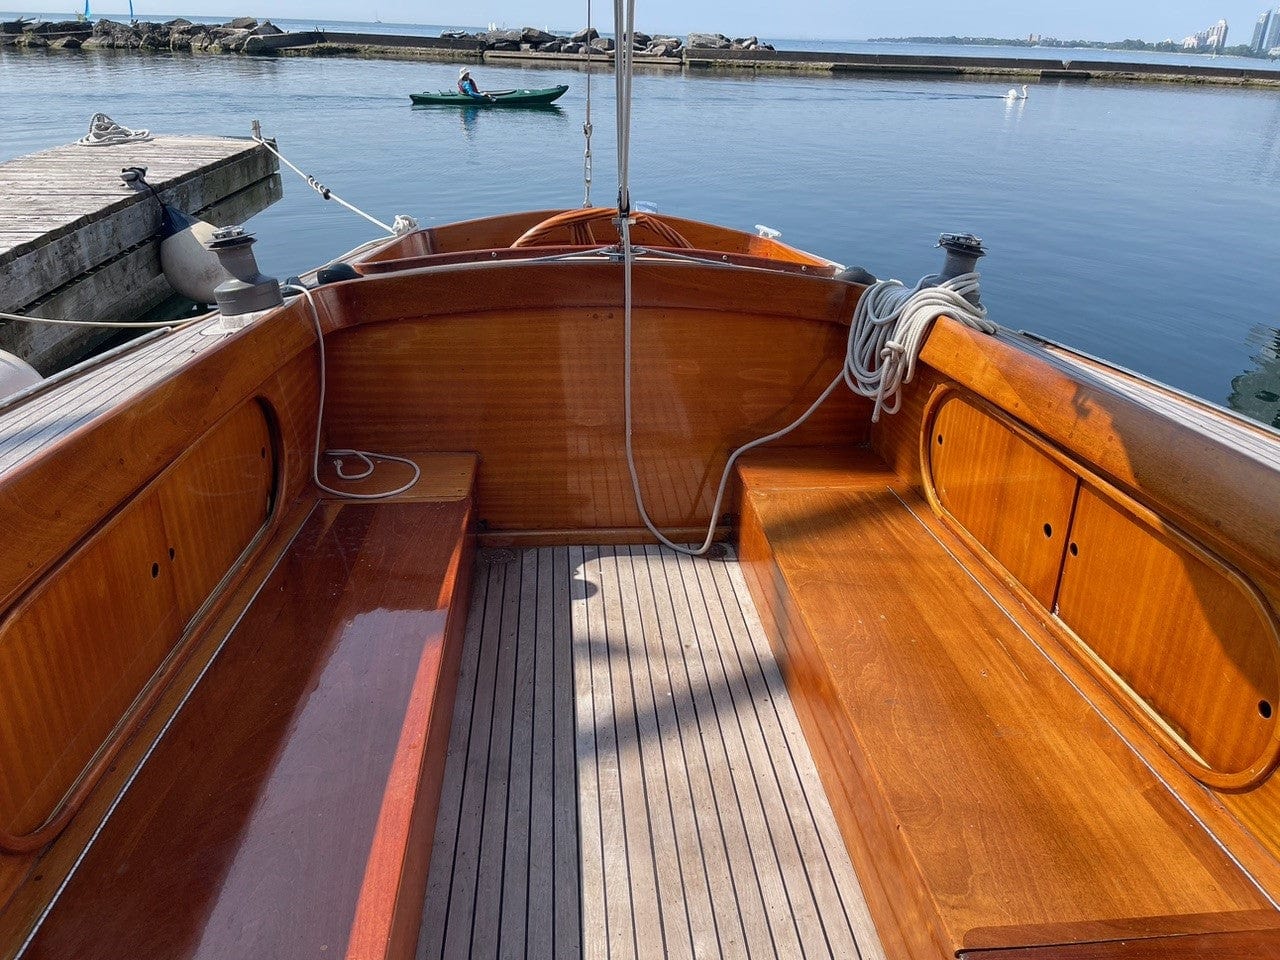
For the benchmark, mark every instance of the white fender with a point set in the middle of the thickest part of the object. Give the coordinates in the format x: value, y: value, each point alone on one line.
x: 189, y: 265
x: 15, y: 374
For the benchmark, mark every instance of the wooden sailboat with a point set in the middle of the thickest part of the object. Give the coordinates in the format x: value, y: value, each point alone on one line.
x: 985, y: 667
x: 1024, y: 629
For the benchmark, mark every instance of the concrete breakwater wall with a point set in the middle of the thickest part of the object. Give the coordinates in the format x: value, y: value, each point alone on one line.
x: 248, y: 36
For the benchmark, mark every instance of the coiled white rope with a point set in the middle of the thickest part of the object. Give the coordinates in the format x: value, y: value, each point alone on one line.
x: 401, y: 225
x: 889, y: 328
x: 105, y: 132
x: 364, y: 456
x: 888, y: 331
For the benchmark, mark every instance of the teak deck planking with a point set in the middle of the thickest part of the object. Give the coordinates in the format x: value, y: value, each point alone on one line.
x: 626, y: 776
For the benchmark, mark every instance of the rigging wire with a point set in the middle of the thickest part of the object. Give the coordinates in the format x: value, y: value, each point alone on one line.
x: 586, y: 124
x: 888, y: 329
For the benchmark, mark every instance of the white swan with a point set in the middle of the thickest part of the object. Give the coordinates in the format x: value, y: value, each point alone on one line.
x: 1013, y: 93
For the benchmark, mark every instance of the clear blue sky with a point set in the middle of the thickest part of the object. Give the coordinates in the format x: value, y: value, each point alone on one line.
x: 841, y: 19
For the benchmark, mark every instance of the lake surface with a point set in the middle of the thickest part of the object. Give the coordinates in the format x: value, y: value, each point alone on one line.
x: 1136, y: 222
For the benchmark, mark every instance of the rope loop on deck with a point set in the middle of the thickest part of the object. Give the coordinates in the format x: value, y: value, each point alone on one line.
x: 365, y: 457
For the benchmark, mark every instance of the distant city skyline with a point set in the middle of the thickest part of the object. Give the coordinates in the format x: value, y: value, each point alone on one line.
x: 799, y: 19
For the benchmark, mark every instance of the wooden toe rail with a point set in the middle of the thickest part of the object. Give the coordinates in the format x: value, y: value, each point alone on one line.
x: 288, y: 810
x: 977, y: 789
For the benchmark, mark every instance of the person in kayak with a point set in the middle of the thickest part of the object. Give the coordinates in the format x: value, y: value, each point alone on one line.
x: 467, y: 86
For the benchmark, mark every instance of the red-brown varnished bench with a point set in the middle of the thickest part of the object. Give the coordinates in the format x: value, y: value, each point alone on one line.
x: 288, y: 809
x: 988, y: 805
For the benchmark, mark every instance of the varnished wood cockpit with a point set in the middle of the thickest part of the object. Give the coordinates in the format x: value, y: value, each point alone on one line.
x: 995, y: 677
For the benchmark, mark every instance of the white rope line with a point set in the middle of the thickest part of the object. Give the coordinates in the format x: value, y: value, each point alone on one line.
x: 122, y: 325
x: 364, y: 456
x: 888, y: 330
x: 885, y: 337
x: 403, y: 224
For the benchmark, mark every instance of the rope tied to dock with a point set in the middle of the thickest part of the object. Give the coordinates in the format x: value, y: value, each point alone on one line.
x: 402, y: 224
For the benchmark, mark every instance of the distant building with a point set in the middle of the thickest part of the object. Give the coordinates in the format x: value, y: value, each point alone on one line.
x: 1218, y: 36
x: 1273, y: 31
x: 1259, y: 42
x: 1214, y: 39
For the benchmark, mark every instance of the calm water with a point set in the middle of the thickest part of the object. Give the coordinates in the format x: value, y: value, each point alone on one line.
x: 1135, y: 222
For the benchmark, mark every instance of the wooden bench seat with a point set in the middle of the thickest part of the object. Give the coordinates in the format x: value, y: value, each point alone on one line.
x: 288, y: 809
x: 986, y: 802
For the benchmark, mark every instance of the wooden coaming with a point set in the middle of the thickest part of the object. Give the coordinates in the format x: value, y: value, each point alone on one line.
x: 712, y: 364
x: 63, y: 492
x: 526, y: 369
x: 458, y: 240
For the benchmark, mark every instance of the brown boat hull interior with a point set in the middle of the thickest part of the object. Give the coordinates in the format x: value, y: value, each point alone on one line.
x: 1027, y: 623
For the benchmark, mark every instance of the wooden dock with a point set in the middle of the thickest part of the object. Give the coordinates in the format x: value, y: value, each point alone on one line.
x: 77, y: 242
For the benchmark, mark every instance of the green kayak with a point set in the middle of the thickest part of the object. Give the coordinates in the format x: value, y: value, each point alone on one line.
x: 497, y: 98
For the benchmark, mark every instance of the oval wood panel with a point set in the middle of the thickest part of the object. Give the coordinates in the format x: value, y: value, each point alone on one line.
x: 1186, y: 639
x: 81, y: 653
x: 74, y: 655
x: 214, y: 501
x: 999, y: 488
